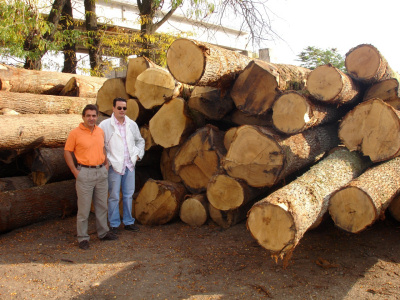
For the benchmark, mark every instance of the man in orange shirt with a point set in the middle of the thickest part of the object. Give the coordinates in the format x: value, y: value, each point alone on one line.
x: 87, y: 143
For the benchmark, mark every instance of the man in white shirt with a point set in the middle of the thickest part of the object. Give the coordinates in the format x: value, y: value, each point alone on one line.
x: 124, y: 146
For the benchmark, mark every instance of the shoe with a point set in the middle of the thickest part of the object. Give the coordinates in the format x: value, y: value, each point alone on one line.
x: 132, y: 227
x: 109, y: 237
x: 84, y: 244
x: 114, y: 230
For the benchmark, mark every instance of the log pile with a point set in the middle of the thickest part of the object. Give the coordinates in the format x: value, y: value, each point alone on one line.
x: 230, y: 138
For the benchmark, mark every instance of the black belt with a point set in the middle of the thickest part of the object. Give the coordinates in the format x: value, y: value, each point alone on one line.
x: 91, y: 167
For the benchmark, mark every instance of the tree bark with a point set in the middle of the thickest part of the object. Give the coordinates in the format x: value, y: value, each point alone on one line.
x: 360, y: 203
x: 373, y: 128
x: 366, y: 64
x: 213, y: 103
x: 279, y: 221
x: 158, y: 202
x: 293, y: 112
x: 25, y: 103
x: 67, y: 23
x: 36, y: 82
x: 202, y: 64
x: 136, y: 66
x: 199, y: 158
x: 23, y: 207
x: 262, y: 158
x: 32, y: 131
x: 15, y: 183
x: 331, y: 86
x: 92, y: 29
x: 112, y: 88
x: 172, y: 124
x: 194, y: 210
x: 257, y: 87
x: 152, y: 86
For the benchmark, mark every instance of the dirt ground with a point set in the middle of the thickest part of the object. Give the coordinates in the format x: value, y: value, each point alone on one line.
x: 176, y: 261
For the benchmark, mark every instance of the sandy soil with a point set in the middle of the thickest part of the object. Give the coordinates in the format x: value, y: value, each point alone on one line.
x: 176, y: 261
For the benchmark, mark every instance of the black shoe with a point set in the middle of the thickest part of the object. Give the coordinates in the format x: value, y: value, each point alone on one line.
x: 109, y: 237
x: 84, y: 244
x: 114, y: 230
x: 132, y: 227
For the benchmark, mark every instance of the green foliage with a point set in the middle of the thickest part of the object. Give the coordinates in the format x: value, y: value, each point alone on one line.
x: 312, y: 57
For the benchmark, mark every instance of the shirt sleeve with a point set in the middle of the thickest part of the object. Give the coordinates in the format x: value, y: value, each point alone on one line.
x: 70, y: 143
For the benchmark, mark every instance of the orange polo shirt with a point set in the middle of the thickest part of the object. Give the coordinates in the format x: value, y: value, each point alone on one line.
x: 87, y: 146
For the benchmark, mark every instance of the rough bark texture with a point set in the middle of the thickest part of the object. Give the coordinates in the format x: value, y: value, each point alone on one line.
x: 37, y: 82
x: 279, y: 221
x: 330, y: 85
x: 26, y: 103
x: 213, y: 103
x: 257, y: 87
x: 136, y: 66
x: 167, y: 158
x: 153, y: 86
x: 373, y: 128
x: 172, y: 124
x: 199, y: 158
x: 83, y: 87
x: 202, y: 64
x: 111, y: 89
x: 32, y: 131
x: 158, y: 202
x: 360, y: 203
x: 194, y: 210
x: 15, y: 183
x: 366, y: 64
x: 27, y: 206
x: 293, y: 112
x: 262, y: 158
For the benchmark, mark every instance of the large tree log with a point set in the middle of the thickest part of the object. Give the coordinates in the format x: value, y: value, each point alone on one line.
x: 394, y: 208
x: 37, y: 82
x: 237, y: 117
x: 262, y: 158
x: 32, y: 131
x: 172, y: 124
x: 279, y: 221
x: 257, y: 87
x: 213, y: 103
x: 293, y: 112
x: 372, y: 127
x: 112, y: 88
x: 25, y: 103
x: 330, y: 85
x: 166, y: 164
x: 197, y: 63
x: 158, y: 202
x: 27, y: 206
x: 194, y: 210
x: 153, y: 86
x: 48, y: 165
x: 366, y: 64
x: 199, y: 158
x: 386, y: 90
x: 360, y: 203
x: 228, y: 193
x: 15, y: 183
x: 83, y: 87
x: 136, y: 66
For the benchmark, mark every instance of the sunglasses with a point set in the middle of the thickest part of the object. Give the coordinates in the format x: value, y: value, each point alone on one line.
x: 119, y: 107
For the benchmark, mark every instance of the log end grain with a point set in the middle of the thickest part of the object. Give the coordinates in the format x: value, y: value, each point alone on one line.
x: 224, y: 192
x: 385, y: 90
x: 186, y: 61
x: 194, y: 212
x: 272, y: 226
x: 363, y: 62
x: 352, y: 209
x: 325, y: 83
x: 394, y: 208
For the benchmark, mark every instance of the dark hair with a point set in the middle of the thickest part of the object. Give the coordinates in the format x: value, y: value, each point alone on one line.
x: 118, y: 99
x: 90, y: 107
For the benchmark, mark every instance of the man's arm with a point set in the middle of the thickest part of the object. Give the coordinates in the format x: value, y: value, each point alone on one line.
x: 70, y: 163
x: 106, y: 161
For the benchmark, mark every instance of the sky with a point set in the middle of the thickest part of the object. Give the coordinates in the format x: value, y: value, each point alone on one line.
x: 341, y: 24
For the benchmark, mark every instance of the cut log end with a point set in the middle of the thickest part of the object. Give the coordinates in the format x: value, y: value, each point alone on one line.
x: 193, y: 212
x: 325, y: 83
x: 272, y: 226
x: 225, y: 193
x: 352, y: 209
x: 290, y: 113
x: 185, y: 61
x: 363, y: 62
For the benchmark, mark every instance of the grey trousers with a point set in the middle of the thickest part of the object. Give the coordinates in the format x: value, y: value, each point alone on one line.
x: 92, y: 184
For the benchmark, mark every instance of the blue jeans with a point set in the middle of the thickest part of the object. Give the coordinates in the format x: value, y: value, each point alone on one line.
x: 126, y: 184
